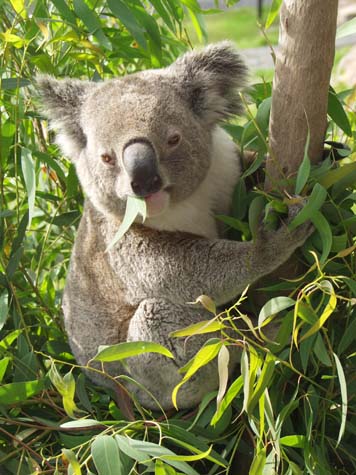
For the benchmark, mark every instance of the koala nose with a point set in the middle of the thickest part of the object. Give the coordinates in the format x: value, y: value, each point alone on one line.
x: 140, y: 163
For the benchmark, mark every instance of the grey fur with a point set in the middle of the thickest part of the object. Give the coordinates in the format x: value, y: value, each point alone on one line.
x: 139, y: 289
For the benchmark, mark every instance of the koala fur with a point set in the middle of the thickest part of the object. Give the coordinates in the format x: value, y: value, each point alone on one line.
x: 156, y: 132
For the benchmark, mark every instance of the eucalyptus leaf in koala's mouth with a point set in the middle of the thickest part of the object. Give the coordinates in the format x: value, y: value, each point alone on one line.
x: 134, y: 207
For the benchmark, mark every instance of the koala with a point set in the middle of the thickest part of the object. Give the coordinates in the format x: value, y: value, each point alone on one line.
x: 156, y: 135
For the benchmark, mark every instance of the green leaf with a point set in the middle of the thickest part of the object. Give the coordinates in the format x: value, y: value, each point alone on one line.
x: 161, y: 10
x: 263, y: 381
x: 337, y: 113
x: 263, y: 113
x: 273, y: 12
x: 128, y: 349
x: 255, y: 213
x: 14, y: 393
x: 273, y: 306
x: 304, y: 169
x: 207, y: 353
x: 235, y: 223
x: 230, y: 395
x: 66, y: 219
x: 92, y: 22
x: 258, y: 463
x: 134, y: 207
x: 315, y: 201
x: 164, y: 469
x: 293, y: 441
x: 126, y: 16
x: 327, y: 311
x: 157, y: 451
x: 126, y: 445
x: 223, y: 371
x: 4, y: 308
x: 72, y: 182
x: 14, y: 83
x: 200, y: 328
x: 4, y: 362
x: 73, y: 461
x: 66, y: 387
x: 323, y: 227
x: 106, y: 456
x: 28, y: 170
x: 343, y: 389
x: 334, y: 176
x: 206, y: 302
x: 65, y: 11
x: 80, y: 423
x: 346, y: 29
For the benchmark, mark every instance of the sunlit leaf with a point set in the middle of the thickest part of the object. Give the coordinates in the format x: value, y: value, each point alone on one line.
x: 230, y: 395
x: 328, y: 310
x: 206, y: 354
x: 343, y: 389
x: 92, y: 22
x: 207, y: 303
x: 273, y: 306
x: 258, y: 463
x: 206, y: 326
x: 70, y: 456
x: 346, y: 29
x: 273, y: 12
x: 128, y: 349
x: 293, y: 441
x: 223, y: 371
x: 28, y: 170
x: 14, y: 393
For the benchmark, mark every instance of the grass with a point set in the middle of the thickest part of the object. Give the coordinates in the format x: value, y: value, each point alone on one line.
x: 240, y: 26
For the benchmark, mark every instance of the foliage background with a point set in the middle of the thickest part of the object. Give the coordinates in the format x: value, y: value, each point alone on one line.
x: 292, y: 410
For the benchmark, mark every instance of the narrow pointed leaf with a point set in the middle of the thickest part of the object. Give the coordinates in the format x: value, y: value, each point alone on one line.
x: 28, y: 170
x: 128, y: 349
x: 343, y: 389
x: 315, y: 201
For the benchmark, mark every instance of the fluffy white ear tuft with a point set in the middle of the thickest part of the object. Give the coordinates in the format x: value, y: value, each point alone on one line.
x: 210, y: 80
x: 61, y: 102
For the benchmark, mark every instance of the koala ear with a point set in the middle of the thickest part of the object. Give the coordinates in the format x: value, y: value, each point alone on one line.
x: 210, y: 80
x: 61, y: 101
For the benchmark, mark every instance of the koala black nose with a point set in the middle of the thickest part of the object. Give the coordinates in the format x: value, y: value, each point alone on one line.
x: 140, y: 163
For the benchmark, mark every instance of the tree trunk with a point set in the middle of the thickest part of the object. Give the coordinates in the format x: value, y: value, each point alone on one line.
x: 300, y: 85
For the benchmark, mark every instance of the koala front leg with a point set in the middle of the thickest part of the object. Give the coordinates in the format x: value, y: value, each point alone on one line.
x: 180, y: 267
x: 154, y: 320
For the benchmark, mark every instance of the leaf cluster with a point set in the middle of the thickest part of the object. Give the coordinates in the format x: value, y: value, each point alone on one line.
x: 292, y: 404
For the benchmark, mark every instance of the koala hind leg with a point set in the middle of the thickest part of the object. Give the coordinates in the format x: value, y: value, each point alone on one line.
x: 154, y: 320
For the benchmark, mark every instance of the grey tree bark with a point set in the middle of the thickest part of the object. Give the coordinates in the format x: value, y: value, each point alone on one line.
x: 300, y: 86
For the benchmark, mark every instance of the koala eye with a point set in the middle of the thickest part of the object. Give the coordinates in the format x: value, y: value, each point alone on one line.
x: 174, y: 140
x: 108, y: 159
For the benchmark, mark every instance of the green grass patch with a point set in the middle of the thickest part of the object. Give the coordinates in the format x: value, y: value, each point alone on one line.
x: 240, y: 25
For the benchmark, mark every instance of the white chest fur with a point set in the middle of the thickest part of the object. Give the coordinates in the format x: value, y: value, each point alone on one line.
x: 196, y: 214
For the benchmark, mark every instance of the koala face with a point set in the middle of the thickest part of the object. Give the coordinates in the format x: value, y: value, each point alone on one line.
x: 146, y: 134
x: 141, y: 139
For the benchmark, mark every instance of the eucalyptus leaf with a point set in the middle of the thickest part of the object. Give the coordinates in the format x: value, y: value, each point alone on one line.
x: 129, y: 349
x: 134, y: 207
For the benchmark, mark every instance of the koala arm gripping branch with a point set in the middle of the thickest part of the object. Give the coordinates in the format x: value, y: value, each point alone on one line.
x: 181, y: 267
